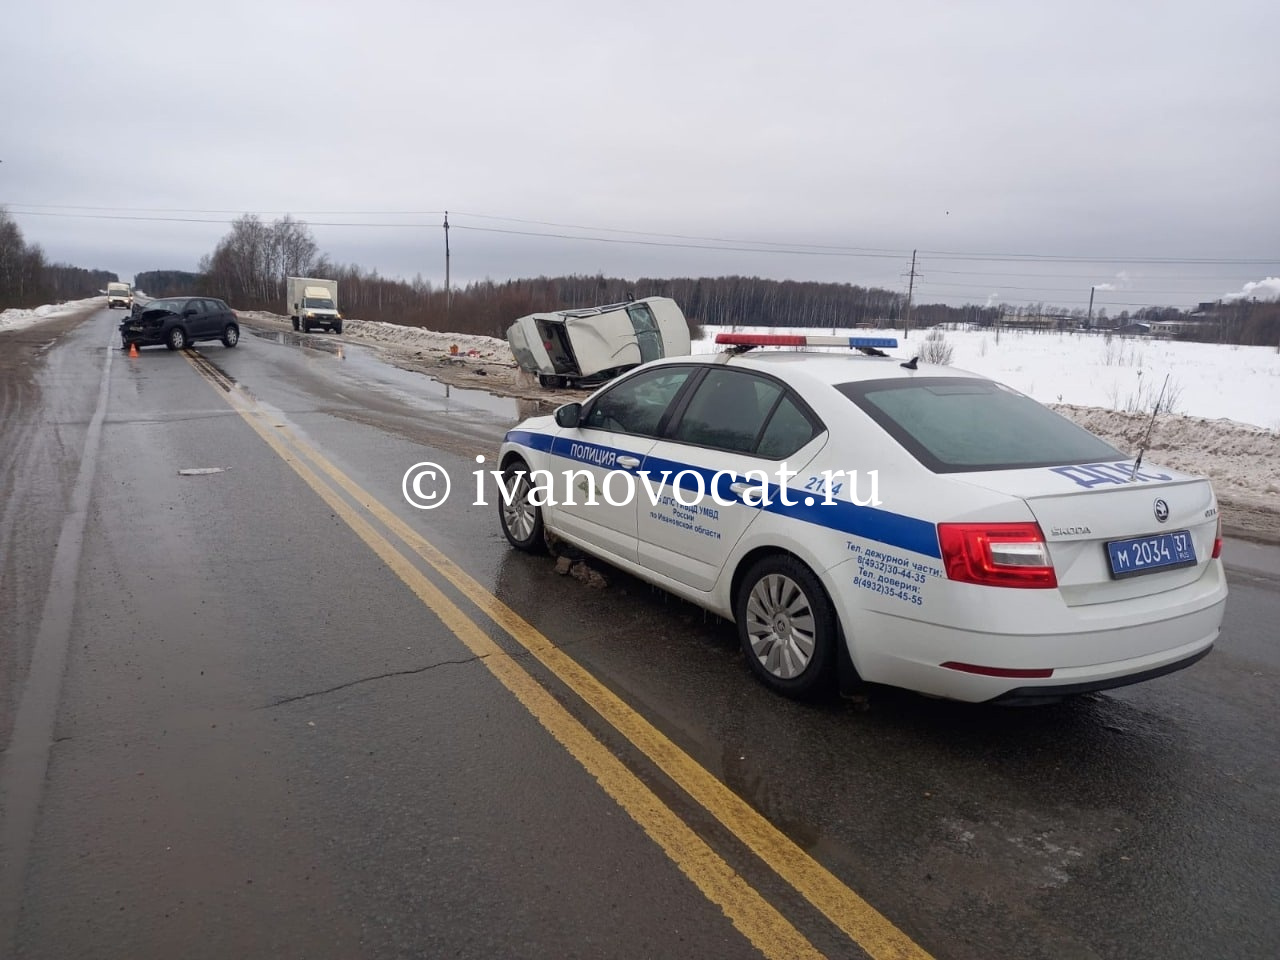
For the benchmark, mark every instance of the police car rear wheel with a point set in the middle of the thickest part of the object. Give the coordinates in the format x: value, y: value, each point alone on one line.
x: 787, y: 626
x: 521, y: 520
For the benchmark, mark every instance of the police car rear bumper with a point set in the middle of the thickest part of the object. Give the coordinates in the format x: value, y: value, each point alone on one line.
x: 1012, y: 662
x: 1052, y: 693
x: 955, y: 683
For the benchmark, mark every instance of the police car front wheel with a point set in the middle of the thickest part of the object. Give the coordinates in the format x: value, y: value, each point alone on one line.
x: 521, y: 520
x: 786, y: 625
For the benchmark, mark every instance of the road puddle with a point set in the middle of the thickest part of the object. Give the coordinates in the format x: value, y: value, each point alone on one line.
x: 415, y: 387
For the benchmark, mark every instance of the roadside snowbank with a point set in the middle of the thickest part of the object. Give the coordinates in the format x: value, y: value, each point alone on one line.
x: 17, y: 319
x: 469, y: 346
x: 1242, y: 461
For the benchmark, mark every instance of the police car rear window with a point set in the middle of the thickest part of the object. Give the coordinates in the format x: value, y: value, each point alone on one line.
x: 954, y: 425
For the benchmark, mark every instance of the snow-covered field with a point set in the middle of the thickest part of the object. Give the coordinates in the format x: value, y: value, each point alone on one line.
x: 17, y: 319
x: 1126, y: 374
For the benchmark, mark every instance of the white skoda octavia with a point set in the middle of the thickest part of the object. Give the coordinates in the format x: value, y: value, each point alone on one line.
x: 951, y: 535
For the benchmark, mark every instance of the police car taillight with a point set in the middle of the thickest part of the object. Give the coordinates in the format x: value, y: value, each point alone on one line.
x: 802, y: 340
x: 1217, y: 540
x: 996, y: 554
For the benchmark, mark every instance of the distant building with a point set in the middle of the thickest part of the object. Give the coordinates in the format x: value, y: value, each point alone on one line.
x: 1188, y: 329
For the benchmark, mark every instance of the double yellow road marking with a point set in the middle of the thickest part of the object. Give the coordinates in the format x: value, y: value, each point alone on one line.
x: 753, y: 916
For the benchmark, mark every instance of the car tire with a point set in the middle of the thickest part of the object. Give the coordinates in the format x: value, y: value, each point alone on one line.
x: 230, y: 335
x: 306, y: 327
x: 337, y: 328
x: 521, y: 521
x: 177, y: 339
x: 787, y: 626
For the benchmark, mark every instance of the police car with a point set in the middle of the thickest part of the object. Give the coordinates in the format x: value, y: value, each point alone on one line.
x: 952, y: 535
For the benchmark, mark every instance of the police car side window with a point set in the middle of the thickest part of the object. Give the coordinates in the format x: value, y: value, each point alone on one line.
x: 788, y: 430
x: 637, y: 404
x: 727, y: 410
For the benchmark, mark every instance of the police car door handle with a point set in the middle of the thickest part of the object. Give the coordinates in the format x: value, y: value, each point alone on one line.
x: 629, y: 463
x: 749, y: 492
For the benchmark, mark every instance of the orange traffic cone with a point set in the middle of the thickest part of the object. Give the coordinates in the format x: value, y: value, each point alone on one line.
x: 133, y: 349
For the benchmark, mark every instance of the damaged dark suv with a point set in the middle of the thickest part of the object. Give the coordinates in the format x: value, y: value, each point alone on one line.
x: 178, y: 322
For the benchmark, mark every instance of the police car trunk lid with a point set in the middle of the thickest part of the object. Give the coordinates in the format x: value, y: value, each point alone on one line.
x: 1111, y: 538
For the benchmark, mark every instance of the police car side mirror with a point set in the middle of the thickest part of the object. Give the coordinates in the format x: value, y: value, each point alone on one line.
x: 570, y: 415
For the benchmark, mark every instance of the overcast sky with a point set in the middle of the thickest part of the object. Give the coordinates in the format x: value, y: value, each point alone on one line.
x: 840, y: 136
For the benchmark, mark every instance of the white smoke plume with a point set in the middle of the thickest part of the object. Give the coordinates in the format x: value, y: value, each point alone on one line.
x: 1121, y: 282
x: 1268, y: 289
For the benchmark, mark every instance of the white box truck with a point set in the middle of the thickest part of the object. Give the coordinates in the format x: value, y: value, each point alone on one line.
x: 578, y: 348
x: 119, y: 295
x: 313, y: 303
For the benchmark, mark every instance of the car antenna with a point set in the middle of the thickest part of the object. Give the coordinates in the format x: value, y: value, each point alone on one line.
x: 1150, y: 424
x: 911, y: 364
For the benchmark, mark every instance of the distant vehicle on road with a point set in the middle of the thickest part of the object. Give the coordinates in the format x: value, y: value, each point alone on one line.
x: 313, y: 303
x: 571, y: 348
x: 119, y: 295
x: 178, y: 322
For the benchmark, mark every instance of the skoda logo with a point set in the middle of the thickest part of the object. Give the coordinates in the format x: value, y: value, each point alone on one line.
x: 1162, y: 511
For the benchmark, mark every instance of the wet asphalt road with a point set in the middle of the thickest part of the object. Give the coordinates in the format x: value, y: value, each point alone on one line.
x: 235, y: 731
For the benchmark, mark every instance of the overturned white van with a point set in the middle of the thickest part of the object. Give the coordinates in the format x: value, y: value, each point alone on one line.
x: 588, y: 346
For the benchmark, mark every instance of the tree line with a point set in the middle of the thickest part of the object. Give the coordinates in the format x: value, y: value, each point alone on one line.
x: 27, y: 280
x: 249, y: 265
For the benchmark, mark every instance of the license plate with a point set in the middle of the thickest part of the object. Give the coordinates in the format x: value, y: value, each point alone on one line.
x: 1161, y: 551
x: 136, y: 327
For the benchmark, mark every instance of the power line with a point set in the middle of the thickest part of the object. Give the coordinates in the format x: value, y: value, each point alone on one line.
x: 682, y: 236
x: 707, y: 243
x: 106, y: 216
x: 296, y: 213
x: 779, y: 249
x: 1093, y: 275
x: 1053, y: 258
x: 1007, y: 286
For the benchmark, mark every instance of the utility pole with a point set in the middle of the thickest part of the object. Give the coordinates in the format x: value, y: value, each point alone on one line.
x: 911, y: 286
x: 1088, y: 324
x: 448, y: 291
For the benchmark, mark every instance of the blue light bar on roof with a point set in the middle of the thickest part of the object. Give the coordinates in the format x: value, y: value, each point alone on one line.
x: 873, y: 341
